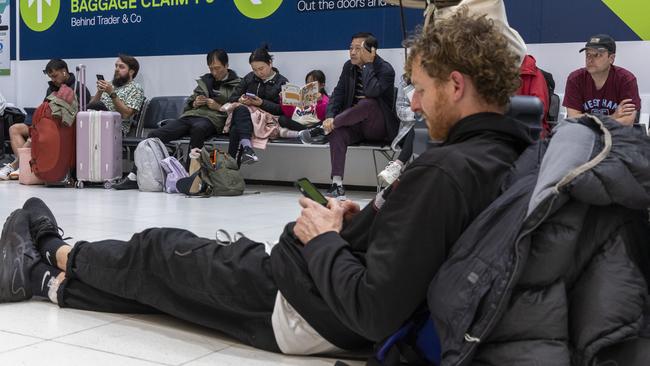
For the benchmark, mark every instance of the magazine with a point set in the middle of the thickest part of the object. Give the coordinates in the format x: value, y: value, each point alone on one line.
x: 300, y: 97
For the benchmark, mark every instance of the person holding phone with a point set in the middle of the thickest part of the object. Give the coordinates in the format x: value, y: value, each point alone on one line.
x: 122, y: 94
x: 255, y: 107
x: 360, y: 107
x: 58, y: 73
x: 202, y: 116
x: 340, y: 277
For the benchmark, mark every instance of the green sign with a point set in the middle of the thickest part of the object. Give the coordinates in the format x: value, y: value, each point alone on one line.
x: 634, y: 13
x: 257, y: 9
x: 39, y: 15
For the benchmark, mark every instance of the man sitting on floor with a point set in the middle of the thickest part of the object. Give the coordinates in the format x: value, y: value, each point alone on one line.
x: 340, y: 277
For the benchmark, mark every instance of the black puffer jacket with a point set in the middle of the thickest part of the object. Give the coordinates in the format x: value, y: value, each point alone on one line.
x: 556, y: 269
x: 269, y: 91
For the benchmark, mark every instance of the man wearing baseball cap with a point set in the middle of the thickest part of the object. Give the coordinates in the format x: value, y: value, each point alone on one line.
x: 600, y: 87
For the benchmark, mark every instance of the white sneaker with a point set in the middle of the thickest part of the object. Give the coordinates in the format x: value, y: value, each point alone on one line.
x: 5, y: 171
x: 390, y: 173
x: 14, y: 175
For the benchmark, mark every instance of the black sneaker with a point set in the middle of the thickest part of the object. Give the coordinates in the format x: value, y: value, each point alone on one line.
x: 125, y: 184
x: 17, y: 257
x: 41, y: 220
x: 312, y: 135
x: 336, y: 191
x: 247, y: 156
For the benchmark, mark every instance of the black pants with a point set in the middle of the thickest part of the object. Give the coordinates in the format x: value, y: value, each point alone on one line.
x: 287, y: 122
x: 199, y: 129
x: 407, y: 147
x: 241, y: 127
x: 230, y: 289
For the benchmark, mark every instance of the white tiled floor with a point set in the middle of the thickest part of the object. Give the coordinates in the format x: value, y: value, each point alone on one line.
x: 39, y: 333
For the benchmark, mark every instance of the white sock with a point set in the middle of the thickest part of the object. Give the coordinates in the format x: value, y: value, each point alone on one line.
x: 287, y: 133
x: 338, y: 180
x: 132, y: 176
x: 53, y: 285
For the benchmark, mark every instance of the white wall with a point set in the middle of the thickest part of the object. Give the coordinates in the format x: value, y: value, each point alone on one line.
x: 175, y: 75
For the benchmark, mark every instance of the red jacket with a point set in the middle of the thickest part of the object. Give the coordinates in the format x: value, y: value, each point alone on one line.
x: 534, y: 84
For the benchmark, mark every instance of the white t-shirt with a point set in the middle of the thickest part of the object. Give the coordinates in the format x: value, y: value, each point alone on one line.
x: 294, y: 335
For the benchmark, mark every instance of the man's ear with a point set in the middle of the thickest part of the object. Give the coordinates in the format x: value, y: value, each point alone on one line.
x: 457, y: 81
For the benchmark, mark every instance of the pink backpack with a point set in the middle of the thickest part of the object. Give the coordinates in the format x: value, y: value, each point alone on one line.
x: 173, y: 172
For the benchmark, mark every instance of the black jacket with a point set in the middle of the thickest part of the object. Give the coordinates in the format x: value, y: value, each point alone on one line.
x: 363, y: 284
x: 556, y: 269
x: 378, y: 83
x: 269, y: 91
x: 71, y: 83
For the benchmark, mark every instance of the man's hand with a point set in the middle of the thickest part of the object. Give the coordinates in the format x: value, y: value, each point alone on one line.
x: 104, y: 86
x: 212, y: 104
x: 351, y: 209
x: 366, y: 56
x: 626, y: 112
x: 328, y: 125
x: 315, y: 219
x: 199, y: 101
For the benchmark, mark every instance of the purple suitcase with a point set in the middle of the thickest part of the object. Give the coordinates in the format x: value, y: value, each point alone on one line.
x: 99, y: 147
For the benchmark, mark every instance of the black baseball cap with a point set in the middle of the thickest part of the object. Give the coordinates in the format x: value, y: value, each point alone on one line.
x: 601, y: 41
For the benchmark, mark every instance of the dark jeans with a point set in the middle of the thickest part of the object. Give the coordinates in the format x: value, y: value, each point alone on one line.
x: 241, y: 127
x: 97, y: 106
x: 199, y: 129
x: 407, y: 146
x: 362, y: 122
x: 230, y: 289
x: 289, y: 123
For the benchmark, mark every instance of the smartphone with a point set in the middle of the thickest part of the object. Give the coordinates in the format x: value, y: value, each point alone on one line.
x: 100, y: 77
x: 249, y: 95
x: 309, y: 190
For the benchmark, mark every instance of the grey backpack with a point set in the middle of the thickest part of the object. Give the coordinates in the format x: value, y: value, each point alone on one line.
x: 148, y: 155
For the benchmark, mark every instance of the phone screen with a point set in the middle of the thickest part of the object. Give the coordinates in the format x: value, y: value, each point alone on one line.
x: 100, y: 77
x: 309, y: 190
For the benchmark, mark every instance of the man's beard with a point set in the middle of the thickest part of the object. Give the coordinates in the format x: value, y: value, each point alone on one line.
x: 441, y: 119
x: 120, y: 81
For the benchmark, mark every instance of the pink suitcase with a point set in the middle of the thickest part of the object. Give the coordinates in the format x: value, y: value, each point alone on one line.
x: 99, y: 147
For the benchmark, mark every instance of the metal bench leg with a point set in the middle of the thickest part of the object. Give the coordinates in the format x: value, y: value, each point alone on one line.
x: 389, y: 155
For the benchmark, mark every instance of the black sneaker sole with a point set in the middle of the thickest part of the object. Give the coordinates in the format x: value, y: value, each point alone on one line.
x: 14, y: 281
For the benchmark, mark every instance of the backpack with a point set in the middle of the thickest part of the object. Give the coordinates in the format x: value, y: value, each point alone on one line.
x: 53, y: 147
x: 148, y: 156
x: 173, y: 172
x: 221, y: 178
x: 416, y: 343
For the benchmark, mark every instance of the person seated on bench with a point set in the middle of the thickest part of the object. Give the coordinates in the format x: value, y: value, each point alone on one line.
x: 360, y: 107
x: 340, y: 277
x: 57, y: 71
x: 255, y: 107
x: 291, y: 122
x: 202, y: 117
x: 122, y: 94
x: 405, y: 134
x: 600, y: 87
